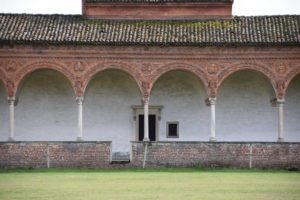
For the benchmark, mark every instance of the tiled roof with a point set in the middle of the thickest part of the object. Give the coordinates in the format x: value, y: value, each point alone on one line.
x: 77, y: 30
x: 155, y: 1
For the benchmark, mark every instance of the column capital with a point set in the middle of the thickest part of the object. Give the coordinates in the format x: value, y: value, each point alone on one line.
x: 280, y: 102
x: 79, y: 100
x: 277, y: 102
x: 11, y: 100
x: 211, y: 101
x: 145, y: 100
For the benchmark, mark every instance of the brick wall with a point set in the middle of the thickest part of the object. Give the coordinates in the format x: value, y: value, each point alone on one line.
x: 218, y: 154
x: 159, y: 154
x: 54, y: 154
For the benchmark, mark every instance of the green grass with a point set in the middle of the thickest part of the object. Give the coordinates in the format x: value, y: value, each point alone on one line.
x: 151, y: 184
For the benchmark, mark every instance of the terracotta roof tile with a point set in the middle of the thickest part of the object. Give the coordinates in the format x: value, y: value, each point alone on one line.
x: 75, y: 29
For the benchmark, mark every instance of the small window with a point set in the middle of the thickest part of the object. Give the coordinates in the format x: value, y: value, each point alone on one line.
x: 172, y: 129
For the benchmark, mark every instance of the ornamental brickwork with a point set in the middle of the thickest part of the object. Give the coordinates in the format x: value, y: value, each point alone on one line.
x: 212, y: 65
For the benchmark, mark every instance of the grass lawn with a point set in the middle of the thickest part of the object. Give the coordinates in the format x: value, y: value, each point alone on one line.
x: 164, y: 184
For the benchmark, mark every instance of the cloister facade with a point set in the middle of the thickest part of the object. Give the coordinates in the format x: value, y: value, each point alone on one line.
x: 213, y: 93
x: 190, y: 73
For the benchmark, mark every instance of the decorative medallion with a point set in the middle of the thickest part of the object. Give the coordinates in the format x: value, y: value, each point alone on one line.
x: 11, y: 66
x: 79, y: 66
x: 281, y: 68
x: 213, y: 69
x: 146, y: 68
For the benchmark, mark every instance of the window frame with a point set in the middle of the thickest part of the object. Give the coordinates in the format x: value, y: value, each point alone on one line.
x: 168, y: 134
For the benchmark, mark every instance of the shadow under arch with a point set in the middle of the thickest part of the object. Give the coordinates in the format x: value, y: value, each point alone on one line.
x: 102, y: 68
x: 292, y: 109
x: 179, y: 67
x: 262, y: 70
x: 26, y: 77
x: 27, y: 70
x: 244, y: 111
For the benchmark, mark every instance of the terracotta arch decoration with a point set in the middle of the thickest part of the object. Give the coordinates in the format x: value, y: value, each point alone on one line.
x: 258, y: 68
x: 91, y: 72
x: 195, y: 70
x: 30, y: 68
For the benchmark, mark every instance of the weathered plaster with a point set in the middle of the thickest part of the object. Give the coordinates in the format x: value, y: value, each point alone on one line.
x: 183, y: 96
x: 292, y: 111
x: 4, y: 116
x: 46, y: 108
x: 107, y: 112
x: 243, y: 109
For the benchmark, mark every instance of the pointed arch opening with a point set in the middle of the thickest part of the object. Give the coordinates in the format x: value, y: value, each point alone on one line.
x: 46, y: 108
x: 244, y: 111
x: 292, y: 111
x: 182, y: 95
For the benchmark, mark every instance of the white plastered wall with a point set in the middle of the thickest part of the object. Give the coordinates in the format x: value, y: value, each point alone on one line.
x: 4, y: 116
x: 292, y: 111
x: 46, y: 109
x: 183, y: 96
x: 243, y: 109
x: 107, y: 112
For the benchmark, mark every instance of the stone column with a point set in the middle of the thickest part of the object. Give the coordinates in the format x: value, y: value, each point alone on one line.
x: 146, y: 119
x: 280, y: 104
x: 212, y: 103
x: 11, y: 102
x: 79, y: 101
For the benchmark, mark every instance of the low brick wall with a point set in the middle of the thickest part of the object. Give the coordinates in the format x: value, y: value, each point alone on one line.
x: 54, y: 154
x: 218, y: 154
x: 159, y: 154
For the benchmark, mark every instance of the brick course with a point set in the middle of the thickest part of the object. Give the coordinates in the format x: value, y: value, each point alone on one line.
x: 218, y: 154
x: 59, y: 154
x: 160, y: 154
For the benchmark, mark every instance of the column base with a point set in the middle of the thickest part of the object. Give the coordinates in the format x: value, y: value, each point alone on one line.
x: 79, y: 139
x: 10, y: 139
x: 212, y: 139
x: 146, y: 140
x: 280, y: 140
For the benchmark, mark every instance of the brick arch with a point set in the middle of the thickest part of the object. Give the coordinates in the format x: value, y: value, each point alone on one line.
x: 178, y: 67
x: 30, y: 68
x: 291, y: 75
x: 258, y: 68
x: 130, y: 70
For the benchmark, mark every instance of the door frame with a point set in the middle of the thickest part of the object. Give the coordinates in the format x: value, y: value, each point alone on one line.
x: 153, y: 110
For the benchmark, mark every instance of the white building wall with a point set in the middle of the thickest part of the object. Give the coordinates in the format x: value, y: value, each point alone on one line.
x: 46, y: 108
x: 107, y: 112
x: 292, y: 111
x: 243, y: 109
x: 183, y: 96
x: 4, y: 114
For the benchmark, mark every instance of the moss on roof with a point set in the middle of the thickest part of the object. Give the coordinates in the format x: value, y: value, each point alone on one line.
x: 75, y: 29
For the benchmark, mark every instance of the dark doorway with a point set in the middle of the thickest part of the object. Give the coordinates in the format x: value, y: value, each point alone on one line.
x: 152, y: 127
